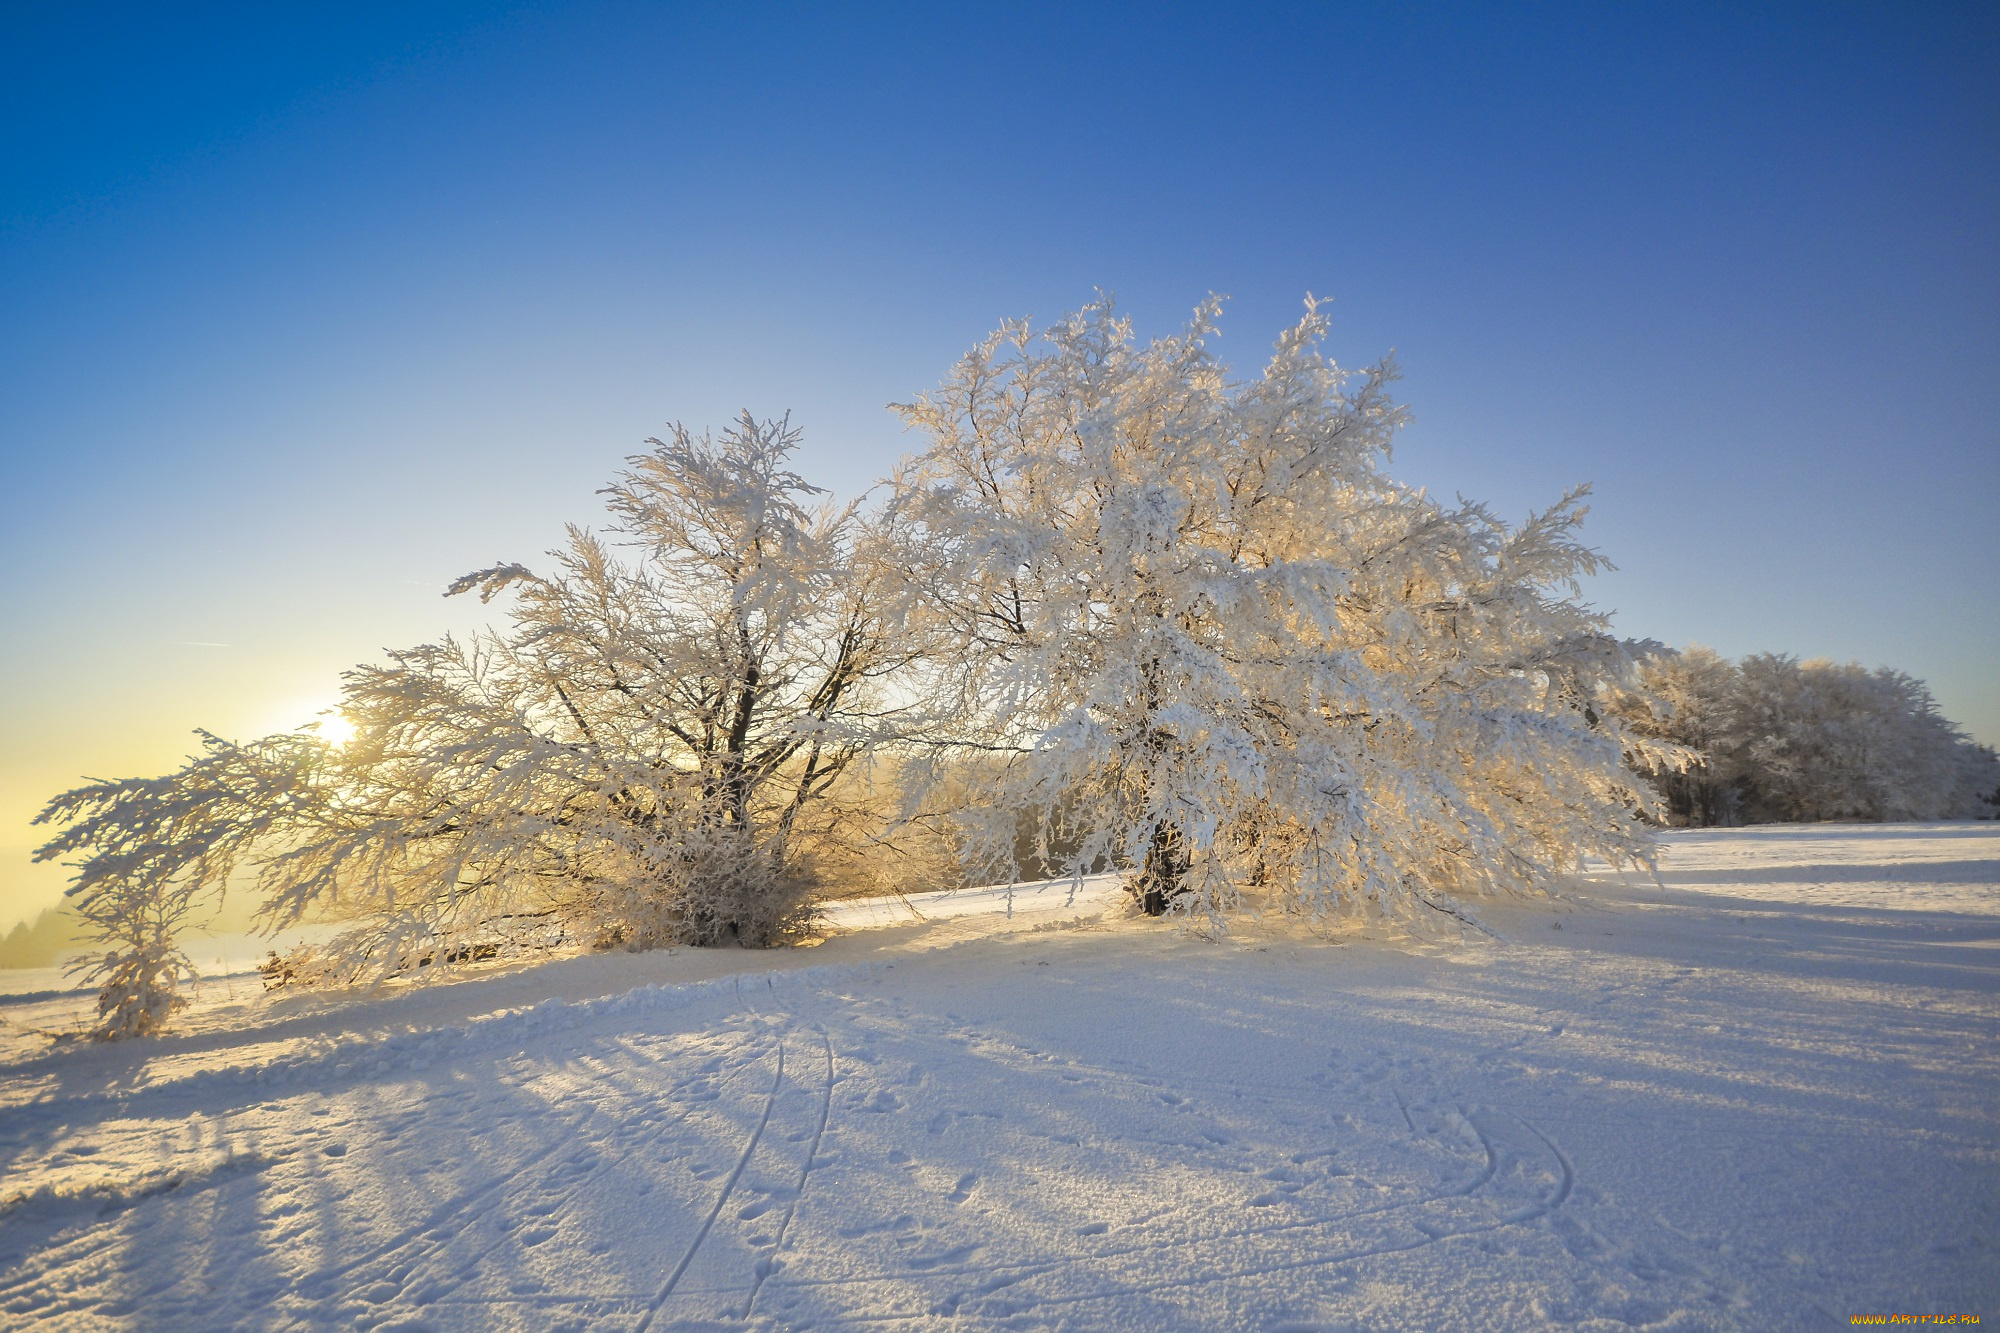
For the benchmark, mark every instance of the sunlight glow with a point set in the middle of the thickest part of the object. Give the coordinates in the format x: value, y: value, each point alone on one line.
x: 335, y: 729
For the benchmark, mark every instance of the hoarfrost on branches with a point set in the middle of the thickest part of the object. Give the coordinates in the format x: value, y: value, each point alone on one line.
x: 155, y: 849
x: 1780, y: 740
x: 666, y: 750
x: 1203, y: 635
x: 1123, y: 611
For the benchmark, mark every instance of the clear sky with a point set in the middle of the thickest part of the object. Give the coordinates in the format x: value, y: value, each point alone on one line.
x: 305, y: 309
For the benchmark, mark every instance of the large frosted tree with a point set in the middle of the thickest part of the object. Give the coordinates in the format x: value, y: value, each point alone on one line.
x: 1204, y: 635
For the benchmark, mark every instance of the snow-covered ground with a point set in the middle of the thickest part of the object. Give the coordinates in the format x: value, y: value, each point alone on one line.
x: 1759, y: 1096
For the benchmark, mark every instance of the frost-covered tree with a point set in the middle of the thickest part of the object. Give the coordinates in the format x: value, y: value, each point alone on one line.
x: 1123, y: 610
x: 1689, y: 699
x: 652, y: 747
x: 1210, y: 640
x: 154, y: 852
x: 1782, y: 740
x: 1823, y: 740
x: 665, y: 748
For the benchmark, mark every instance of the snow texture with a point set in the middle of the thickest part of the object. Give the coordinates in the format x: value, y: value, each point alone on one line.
x: 1756, y: 1094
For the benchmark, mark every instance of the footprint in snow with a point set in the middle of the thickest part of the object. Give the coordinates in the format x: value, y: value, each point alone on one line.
x: 956, y: 1254
x: 900, y: 1222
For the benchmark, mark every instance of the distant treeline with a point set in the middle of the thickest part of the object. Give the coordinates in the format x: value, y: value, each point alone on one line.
x: 1786, y: 741
x: 42, y: 942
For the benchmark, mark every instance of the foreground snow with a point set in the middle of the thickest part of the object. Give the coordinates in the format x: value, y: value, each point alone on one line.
x: 1761, y: 1096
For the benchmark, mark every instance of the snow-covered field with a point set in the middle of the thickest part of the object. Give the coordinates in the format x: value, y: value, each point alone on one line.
x: 1762, y: 1096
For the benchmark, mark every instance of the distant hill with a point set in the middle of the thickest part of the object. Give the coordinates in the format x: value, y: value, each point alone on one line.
x: 57, y: 933
x: 42, y: 942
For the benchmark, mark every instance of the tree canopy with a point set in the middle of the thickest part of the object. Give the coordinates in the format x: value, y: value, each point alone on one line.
x: 1214, y: 641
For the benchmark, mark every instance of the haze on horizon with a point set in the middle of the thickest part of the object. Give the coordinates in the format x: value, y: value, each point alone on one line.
x: 303, y: 314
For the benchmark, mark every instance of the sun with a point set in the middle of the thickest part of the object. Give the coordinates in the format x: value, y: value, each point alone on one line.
x: 335, y: 729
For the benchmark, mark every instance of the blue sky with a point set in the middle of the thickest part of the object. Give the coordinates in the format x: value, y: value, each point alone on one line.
x: 305, y: 310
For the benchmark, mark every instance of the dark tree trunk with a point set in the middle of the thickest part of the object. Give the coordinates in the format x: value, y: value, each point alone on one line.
x: 1163, y: 877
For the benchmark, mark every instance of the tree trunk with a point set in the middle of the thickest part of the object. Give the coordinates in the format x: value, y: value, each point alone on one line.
x: 1163, y: 877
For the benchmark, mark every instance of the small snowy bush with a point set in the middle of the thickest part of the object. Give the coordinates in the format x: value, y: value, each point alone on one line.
x: 139, y: 987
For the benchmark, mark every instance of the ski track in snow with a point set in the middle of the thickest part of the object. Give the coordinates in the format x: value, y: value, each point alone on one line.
x: 1756, y: 1094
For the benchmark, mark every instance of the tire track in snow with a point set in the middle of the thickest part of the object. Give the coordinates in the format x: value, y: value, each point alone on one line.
x: 1560, y: 1195
x: 765, y: 1267
x: 744, y: 1291
x: 418, y: 1246
x: 443, y: 1288
x: 999, y: 1276
x: 593, y: 1109
x: 1492, y: 1159
x: 722, y: 1196
x: 1403, y: 1105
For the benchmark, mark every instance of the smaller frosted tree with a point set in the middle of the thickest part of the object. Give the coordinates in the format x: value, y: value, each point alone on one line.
x: 1823, y: 740
x: 656, y: 749
x: 153, y: 853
